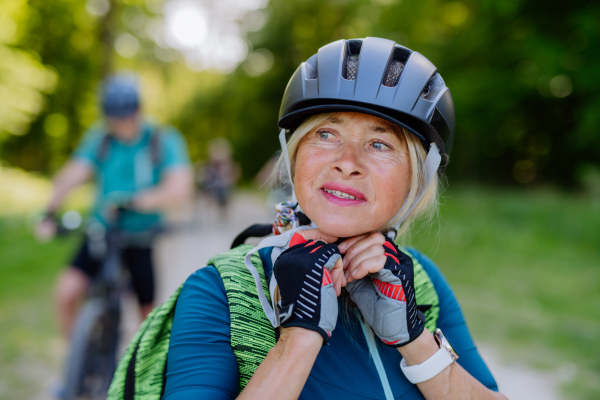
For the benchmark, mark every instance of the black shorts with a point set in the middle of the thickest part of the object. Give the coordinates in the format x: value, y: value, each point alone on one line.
x: 137, y: 260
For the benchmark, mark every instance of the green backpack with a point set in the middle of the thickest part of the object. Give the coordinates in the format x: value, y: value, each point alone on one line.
x: 141, y: 373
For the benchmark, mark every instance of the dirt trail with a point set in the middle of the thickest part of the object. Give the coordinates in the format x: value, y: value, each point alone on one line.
x: 180, y: 254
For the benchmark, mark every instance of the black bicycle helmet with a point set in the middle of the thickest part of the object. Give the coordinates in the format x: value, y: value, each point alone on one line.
x: 378, y: 77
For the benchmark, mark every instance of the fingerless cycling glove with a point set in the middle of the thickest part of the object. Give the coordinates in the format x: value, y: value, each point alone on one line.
x: 386, y: 299
x: 308, y: 298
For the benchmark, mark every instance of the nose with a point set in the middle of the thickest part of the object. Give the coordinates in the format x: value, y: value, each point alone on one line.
x: 348, y: 162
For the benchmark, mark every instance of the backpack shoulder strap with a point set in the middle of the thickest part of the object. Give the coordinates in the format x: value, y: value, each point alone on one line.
x: 426, y: 296
x: 252, y: 335
x: 154, y: 142
x: 103, y: 148
x: 142, y: 369
x: 155, y: 145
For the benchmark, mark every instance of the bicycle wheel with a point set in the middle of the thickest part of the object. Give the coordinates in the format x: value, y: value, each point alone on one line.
x: 92, y: 359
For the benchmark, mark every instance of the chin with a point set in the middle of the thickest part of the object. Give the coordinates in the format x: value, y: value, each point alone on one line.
x: 343, y: 229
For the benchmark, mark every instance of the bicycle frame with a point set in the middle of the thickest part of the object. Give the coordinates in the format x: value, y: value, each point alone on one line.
x: 92, y: 361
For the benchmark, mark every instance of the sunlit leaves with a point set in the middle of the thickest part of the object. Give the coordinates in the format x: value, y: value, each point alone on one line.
x: 23, y: 81
x: 523, y: 74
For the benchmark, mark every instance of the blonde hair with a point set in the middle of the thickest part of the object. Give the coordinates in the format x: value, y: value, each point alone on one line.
x: 426, y: 209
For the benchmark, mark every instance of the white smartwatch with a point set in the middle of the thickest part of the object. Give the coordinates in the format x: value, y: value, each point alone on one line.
x: 435, y: 364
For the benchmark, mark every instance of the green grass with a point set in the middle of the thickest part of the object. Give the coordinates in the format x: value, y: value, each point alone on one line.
x: 30, y: 345
x: 526, y: 268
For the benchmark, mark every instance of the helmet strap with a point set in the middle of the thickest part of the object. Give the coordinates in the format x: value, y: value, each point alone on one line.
x: 286, y: 157
x: 432, y: 163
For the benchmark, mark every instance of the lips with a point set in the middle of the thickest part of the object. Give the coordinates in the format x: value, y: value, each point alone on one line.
x: 342, y: 195
x: 336, y: 187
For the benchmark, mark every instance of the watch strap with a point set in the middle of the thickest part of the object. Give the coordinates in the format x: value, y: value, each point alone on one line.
x: 427, y: 369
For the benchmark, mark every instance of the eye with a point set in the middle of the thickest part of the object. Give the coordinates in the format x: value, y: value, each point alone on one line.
x: 380, y: 146
x: 324, y: 135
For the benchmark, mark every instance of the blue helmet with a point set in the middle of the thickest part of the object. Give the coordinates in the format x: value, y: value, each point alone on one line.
x: 374, y: 76
x: 120, y: 95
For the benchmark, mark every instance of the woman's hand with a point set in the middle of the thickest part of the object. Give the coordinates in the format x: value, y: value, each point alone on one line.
x: 337, y: 273
x: 308, y: 298
x: 284, y: 371
x: 364, y: 254
x: 387, y: 301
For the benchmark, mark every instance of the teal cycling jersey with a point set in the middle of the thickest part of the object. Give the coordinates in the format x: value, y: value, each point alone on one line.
x: 124, y: 169
x: 202, y: 364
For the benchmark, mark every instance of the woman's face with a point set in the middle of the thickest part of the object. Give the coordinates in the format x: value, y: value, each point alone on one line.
x: 352, y: 174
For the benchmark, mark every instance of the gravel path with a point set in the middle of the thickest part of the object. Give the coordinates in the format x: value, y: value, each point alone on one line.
x: 180, y: 254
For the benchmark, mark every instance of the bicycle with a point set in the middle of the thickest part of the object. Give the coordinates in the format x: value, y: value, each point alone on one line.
x: 92, y: 359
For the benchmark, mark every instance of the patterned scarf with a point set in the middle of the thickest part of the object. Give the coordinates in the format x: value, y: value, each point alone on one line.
x: 287, y: 217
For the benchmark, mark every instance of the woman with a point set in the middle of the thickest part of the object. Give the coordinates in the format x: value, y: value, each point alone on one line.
x: 367, y: 129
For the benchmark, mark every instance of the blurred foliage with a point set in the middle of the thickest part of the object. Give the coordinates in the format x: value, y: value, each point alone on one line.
x: 25, y: 194
x: 64, y: 42
x: 524, y: 76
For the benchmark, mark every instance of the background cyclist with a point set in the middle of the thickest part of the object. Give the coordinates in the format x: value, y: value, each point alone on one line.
x: 218, y: 176
x: 136, y: 164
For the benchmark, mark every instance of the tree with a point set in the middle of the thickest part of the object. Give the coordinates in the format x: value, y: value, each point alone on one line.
x: 524, y: 77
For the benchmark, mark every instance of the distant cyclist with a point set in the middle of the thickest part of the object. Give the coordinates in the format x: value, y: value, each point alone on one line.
x: 138, y: 165
x: 220, y: 174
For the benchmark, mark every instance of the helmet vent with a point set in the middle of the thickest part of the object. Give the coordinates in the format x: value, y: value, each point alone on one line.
x: 393, y: 74
x: 399, y: 58
x: 311, y: 67
x: 350, y: 66
x: 433, y: 87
